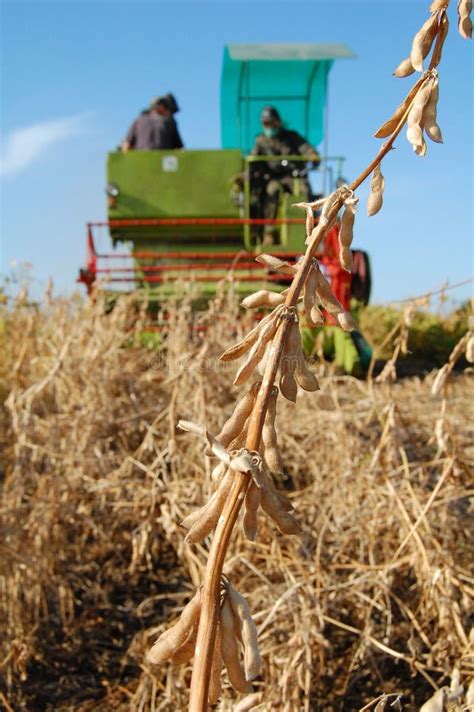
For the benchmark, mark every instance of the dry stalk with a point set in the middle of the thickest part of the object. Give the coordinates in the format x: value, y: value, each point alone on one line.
x: 423, y: 94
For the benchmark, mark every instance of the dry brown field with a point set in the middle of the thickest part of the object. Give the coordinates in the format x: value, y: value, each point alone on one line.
x: 374, y: 598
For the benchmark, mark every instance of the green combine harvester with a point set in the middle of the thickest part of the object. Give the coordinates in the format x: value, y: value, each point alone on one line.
x: 190, y: 215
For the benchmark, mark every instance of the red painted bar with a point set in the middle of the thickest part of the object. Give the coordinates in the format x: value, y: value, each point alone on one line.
x: 192, y: 255
x: 187, y: 267
x: 205, y: 278
x: 128, y: 222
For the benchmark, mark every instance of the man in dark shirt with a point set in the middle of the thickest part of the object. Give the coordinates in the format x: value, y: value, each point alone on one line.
x: 269, y: 178
x: 154, y: 129
x: 167, y: 106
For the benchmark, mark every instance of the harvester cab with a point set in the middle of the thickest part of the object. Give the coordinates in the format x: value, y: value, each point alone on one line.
x: 190, y: 214
x: 294, y: 80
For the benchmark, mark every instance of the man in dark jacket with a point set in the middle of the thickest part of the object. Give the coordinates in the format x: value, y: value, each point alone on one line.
x: 269, y: 178
x: 155, y: 128
x: 167, y: 106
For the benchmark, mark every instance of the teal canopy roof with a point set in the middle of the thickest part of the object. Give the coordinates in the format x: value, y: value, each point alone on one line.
x: 291, y: 77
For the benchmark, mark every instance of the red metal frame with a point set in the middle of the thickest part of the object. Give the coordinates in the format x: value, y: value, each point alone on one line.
x: 242, y: 262
x: 341, y: 281
x: 143, y: 222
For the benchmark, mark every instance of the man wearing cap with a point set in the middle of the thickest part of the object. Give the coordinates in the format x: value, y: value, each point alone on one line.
x: 269, y: 178
x: 155, y: 128
x: 168, y: 107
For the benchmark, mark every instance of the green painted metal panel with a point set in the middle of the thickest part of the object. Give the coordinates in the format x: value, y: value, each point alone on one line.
x: 167, y: 184
x: 291, y: 77
x: 293, y: 236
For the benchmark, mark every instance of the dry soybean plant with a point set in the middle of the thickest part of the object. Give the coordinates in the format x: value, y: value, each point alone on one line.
x: 217, y: 622
x: 97, y: 481
x: 464, y: 346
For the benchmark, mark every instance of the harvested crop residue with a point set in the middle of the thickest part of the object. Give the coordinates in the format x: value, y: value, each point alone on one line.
x: 95, y: 480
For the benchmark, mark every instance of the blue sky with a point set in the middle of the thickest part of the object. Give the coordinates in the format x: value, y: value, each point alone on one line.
x: 76, y: 73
